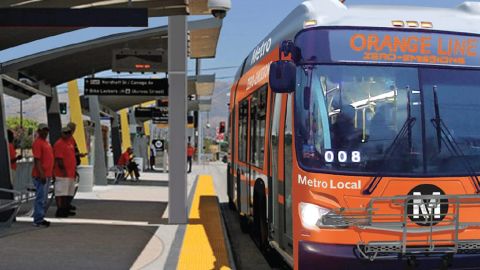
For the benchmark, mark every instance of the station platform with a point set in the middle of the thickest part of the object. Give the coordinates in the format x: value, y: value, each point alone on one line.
x: 125, y: 226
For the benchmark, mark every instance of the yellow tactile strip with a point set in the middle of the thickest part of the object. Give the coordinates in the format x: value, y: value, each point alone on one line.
x: 204, y: 243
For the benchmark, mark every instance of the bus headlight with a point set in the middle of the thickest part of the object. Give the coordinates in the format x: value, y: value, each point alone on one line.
x: 311, y: 215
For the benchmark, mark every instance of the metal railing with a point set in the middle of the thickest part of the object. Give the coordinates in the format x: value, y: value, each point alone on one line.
x: 11, y: 205
x: 426, y: 224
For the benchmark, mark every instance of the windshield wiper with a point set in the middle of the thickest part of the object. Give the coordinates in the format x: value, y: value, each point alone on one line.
x: 452, y: 145
x: 405, y: 130
x: 407, y: 126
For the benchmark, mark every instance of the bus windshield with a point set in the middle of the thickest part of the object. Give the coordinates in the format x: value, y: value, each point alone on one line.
x: 388, y: 120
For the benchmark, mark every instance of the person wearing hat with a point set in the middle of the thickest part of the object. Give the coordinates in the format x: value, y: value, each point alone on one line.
x: 65, y: 168
x: 78, y: 157
x: 42, y: 173
x: 125, y: 161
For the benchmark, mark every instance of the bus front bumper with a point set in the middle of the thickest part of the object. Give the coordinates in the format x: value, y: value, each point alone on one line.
x: 337, y: 257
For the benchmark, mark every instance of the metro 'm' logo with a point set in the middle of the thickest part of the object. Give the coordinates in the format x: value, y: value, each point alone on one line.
x: 452, y: 46
x: 427, y: 206
x: 419, y: 206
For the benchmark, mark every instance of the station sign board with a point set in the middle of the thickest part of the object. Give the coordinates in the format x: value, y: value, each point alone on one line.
x: 128, y: 60
x: 398, y: 46
x: 404, y: 47
x: 126, y: 87
x: 160, y: 114
x: 141, y: 112
x: 159, y: 145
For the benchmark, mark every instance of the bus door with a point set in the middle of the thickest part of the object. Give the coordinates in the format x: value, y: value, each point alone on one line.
x: 231, y: 191
x: 277, y: 160
x: 242, y: 170
x: 288, y: 175
x: 258, y: 116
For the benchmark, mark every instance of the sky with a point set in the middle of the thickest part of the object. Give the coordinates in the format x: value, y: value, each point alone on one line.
x: 247, y: 23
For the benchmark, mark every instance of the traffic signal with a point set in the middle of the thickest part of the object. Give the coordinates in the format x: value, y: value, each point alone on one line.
x: 63, y: 107
x: 221, y: 129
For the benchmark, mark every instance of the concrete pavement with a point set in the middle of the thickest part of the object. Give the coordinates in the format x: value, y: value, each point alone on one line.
x: 123, y: 226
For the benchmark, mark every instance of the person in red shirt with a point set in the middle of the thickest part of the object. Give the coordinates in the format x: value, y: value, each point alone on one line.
x: 13, y: 156
x: 65, y: 169
x: 78, y: 155
x: 190, y: 153
x: 42, y: 173
x: 125, y: 161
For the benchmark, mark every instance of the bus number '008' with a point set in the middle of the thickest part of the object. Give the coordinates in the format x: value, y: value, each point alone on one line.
x: 342, y: 156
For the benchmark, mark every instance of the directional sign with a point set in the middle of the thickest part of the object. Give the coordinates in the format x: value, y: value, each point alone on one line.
x: 128, y: 60
x: 160, y: 113
x: 141, y: 112
x: 159, y: 145
x: 126, y: 87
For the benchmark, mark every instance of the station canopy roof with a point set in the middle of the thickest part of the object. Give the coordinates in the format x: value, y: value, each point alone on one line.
x: 14, y: 36
x: 201, y: 85
x: 67, y: 63
x: 201, y: 105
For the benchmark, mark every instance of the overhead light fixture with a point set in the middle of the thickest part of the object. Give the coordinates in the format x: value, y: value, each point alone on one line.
x: 106, y: 3
x: 25, y: 3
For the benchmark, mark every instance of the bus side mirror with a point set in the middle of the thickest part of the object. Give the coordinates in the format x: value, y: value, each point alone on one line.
x: 282, y: 76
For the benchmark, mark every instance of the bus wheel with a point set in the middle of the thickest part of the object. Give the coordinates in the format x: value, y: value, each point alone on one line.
x: 260, y: 230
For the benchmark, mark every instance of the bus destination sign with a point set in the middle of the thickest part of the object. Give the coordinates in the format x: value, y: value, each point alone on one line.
x: 126, y: 87
x: 404, y: 47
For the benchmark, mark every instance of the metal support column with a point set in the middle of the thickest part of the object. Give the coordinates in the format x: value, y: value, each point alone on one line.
x: 76, y: 117
x: 177, y: 118
x: 198, y: 66
x: 200, y: 138
x: 53, y: 116
x: 99, y: 166
x: 199, y: 142
x: 5, y: 181
x: 116, y: 142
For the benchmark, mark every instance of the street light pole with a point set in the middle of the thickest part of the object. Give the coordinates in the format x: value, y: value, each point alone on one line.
x: 21, y: 126
x: 21, y: 114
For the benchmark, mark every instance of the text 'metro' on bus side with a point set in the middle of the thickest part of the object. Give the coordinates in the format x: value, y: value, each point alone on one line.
x: 355, y: 137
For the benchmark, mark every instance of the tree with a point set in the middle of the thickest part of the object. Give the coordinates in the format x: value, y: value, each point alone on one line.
x: 23, y: 135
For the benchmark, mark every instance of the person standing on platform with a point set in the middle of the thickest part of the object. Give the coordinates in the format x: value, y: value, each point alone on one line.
x: 78, y: 157
x: 13, y: 156
x: 42, y: 173
x: 190, y: 153
x: 153, y: 153
x: 65, y: 168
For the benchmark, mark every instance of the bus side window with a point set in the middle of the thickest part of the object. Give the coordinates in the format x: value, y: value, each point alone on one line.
x: 258, y: 113
x: 242, y: 130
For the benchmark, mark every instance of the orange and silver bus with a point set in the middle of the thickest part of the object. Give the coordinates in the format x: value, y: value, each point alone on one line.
x: 355, y: 137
